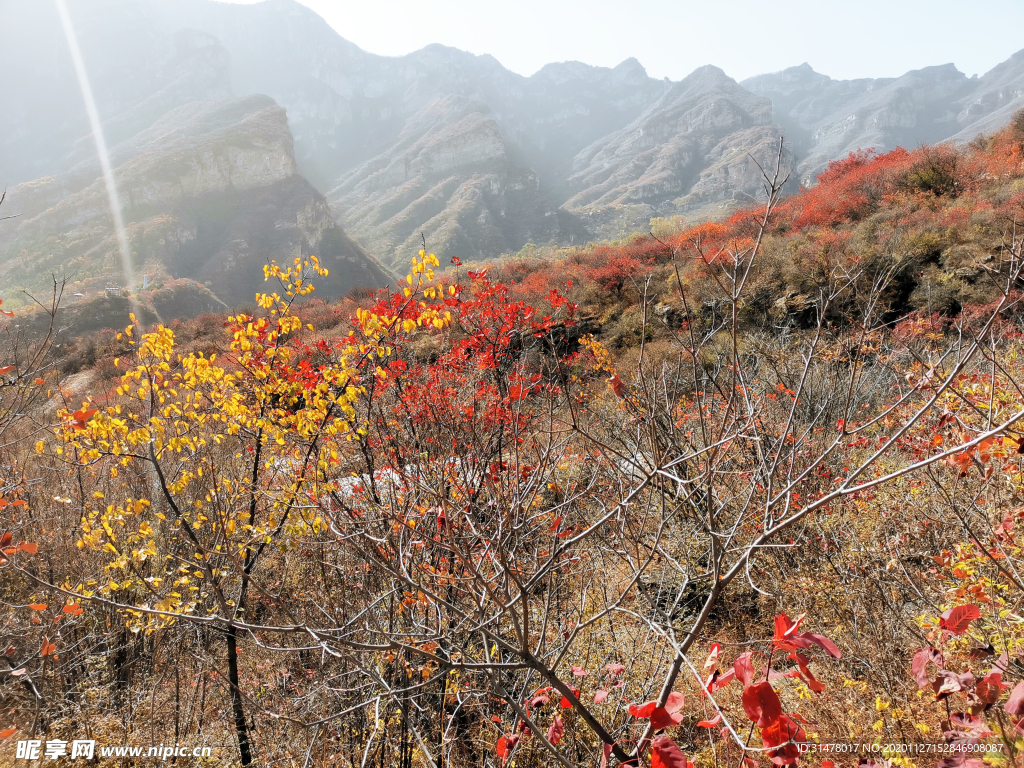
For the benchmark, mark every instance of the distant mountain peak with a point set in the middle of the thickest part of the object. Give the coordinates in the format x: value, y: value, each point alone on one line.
x: 440, y: 141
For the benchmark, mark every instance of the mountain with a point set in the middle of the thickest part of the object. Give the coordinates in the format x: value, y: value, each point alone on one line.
x: 210, y: 195
x: 701, y: 142
x: 208, y: 182
x: 992, y: 102
x: 354, y: 113
x: 452, y: 177
x: 825, y: 119
x: 479, y: 160
x: 247, y: 132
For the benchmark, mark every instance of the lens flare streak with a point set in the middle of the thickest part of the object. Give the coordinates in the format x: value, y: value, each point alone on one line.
x: 101, y: 146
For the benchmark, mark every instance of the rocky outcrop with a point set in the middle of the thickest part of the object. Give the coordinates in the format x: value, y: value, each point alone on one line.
x: 992, y: 100
x: 438, y: 144
x: 209, y: 194
x: 699, y: 143
x: 830, y: 118
x: 448, y: 178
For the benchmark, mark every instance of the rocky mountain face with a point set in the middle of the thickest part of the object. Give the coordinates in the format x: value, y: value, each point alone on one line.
x: 504, y: 173
x: 449, y: 177
x: 825, y: 119
x: 208, y: 182
x: 218, y: 113
x: 704, y: 140
x: 210, y: 195
x: 455, y: 148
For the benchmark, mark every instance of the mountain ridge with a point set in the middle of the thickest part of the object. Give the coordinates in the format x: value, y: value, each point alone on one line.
x: 447, y: 145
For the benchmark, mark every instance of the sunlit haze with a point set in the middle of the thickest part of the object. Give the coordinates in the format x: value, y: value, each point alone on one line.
x: 874, y: 38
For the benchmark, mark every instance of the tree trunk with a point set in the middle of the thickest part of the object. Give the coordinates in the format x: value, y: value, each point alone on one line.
x: 237, y: 707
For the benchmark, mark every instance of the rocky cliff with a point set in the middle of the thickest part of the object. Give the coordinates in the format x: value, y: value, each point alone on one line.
x: 208, y: 182
x: 449, y: 177
x: 218, y: 110
x: 699, y: 143
x: 829, y: 118
x: 209, y: 194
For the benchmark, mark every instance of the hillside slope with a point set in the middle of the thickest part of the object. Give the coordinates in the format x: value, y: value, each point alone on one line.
x: 451, y: 146
x: 210, y: 194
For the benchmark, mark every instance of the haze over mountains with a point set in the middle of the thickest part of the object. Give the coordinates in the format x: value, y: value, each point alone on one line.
x: 241, y: 133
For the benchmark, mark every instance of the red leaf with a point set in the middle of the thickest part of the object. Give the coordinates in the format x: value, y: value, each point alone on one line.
x: 662, y: 718
x: 970, y: 727
x: 505, y: 745
x: 957, y: 620
x: 665, y: 754
x: 600, y: 695
x: 784, y: 626
x: 579, y: 672
x: 919, y: 665
x: 1015, y: 704
x: 675, y: 701
x: 744, y: 668
x: 8, y: 732
x: 618, y: 387
x: 713, y: 656
x: 812, y: 683
x: 539, y: 701
x: 948, y: 682
x: 556, y: 730
x: 720, y: 681
x: 28, y: 546
x: 710, y: 723
x: 81, y: 417
x: 614, y: 669
x: 6, y: 368
x: 824, y: 642
x: 989, y: 688
x: 516, y: 392
x: 781, y: 734
x: 605, y: 754
x: 787, y: 638
x: 565, y: 703
x: 644, y: 711
x: 762, y: 704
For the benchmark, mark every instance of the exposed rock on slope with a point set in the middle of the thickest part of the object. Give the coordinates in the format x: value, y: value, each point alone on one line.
x: 696, y: 145
x: 210, y: 194
x: 996, y: 95
x: 830, y: 118
x: 450, y: 177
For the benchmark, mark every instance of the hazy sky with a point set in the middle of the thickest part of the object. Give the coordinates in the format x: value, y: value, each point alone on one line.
x: 844, y: 39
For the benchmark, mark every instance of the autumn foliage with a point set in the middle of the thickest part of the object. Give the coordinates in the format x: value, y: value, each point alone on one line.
x: 552, y: 512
